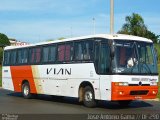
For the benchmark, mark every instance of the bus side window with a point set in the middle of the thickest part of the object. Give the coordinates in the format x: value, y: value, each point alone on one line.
x: 61, y: 52
x: 88, y: 50
x: 13, y: 57
x: 49, y: 54
x: 25, y: 52
x: 38, y: 55
x: 69, y: 52
x: 35, y: 55
x: 31, y: 55
x: 22, y: 56
x: 45, y: 54
x: 78, y: 54
x: 52, y: 53
x: 6, y: 58
x: 105, y: 60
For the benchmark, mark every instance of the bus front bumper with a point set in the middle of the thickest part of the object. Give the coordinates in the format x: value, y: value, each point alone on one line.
x: 133, y: 92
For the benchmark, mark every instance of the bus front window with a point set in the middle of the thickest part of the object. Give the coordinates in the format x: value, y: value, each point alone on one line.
x: 133, y: 57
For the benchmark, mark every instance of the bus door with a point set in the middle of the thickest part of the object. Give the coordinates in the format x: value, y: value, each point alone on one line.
x: 102, y: 64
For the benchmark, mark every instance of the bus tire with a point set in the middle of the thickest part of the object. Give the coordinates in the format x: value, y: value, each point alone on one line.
x: 124, y: 103
x: 26, y: 91
x: 89, y: 97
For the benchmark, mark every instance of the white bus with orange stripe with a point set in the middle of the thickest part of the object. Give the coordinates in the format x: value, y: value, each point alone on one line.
x: 119, y: 68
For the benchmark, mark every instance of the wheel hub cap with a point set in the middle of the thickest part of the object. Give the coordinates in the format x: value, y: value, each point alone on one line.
x: 26, y: 90
x: 88, y: 96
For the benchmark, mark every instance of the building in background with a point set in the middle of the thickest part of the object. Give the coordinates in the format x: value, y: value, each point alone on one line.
x: 14, y: 42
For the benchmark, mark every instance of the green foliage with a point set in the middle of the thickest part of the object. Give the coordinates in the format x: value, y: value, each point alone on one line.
x: 152, y: 36
x: 135, y: 26
x: 50, y: 40
x: 159, y: 71
x: 0, y: 75
x: 4, y: 41
x: 157, y: 46
x: 1, y: 56
x: 61, y: 38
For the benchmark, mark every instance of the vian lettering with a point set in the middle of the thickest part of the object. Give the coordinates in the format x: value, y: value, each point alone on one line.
x: 61, y: 71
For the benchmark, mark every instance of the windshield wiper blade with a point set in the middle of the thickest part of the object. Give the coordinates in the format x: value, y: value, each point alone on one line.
x: 149, y: 70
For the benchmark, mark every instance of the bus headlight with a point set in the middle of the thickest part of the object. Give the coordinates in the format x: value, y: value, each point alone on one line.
x: 154, y: 92
x: 154, y: 84
x: 121, y: 84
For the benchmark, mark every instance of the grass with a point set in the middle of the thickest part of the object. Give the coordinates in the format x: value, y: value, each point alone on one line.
x: 0, y: 75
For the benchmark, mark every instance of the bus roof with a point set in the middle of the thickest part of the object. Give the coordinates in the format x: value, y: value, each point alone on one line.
x: 107, y: 36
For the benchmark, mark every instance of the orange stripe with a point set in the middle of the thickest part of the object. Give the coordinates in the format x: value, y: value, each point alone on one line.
x: 20, y: 73
x: 126, y: 92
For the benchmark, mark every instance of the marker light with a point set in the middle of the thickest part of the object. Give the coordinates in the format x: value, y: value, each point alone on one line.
x: 154, y: 84
x: 121, y: 93
x: 121, y: 84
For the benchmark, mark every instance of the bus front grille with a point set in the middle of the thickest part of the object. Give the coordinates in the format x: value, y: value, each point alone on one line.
x: 140, y: 92
x: 139, y: 85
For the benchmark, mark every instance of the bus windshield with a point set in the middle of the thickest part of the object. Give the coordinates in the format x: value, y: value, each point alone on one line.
x: 134, y: 57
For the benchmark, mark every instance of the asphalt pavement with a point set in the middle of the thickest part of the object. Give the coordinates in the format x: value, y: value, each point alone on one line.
x: 14, y: 106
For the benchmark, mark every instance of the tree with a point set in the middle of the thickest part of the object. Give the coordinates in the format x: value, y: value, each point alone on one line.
x: 50, y: 40
x: 1, y: 56
x: 4, y: 41
x: 152, y: 36
x: 61, y: 38
x: 135, y: 26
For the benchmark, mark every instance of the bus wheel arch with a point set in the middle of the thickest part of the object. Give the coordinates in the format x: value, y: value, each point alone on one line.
x: 26, y: 90
x: 86, y: 89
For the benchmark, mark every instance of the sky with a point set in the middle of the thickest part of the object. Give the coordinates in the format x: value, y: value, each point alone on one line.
x: 40, y: 20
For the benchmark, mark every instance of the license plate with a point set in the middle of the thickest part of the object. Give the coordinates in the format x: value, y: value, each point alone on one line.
x: 138, y: 97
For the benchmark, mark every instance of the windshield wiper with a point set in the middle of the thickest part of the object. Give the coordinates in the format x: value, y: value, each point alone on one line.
x: 147, y: 67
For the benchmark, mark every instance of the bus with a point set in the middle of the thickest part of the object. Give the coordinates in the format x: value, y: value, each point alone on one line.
x: 105, y: 67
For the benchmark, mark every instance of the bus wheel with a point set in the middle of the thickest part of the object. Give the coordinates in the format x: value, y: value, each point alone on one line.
x: 26, y: 90
x: 89, y: 98
x: 124, y: 103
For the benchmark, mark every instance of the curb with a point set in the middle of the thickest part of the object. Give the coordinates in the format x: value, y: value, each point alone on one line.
x: 156, y: 99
